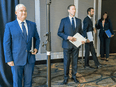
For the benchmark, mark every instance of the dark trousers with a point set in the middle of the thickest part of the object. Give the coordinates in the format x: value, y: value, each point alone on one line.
x: 104, y: 46
x: 90, y: 48
x: 19, y: 72
x: 67, y: 53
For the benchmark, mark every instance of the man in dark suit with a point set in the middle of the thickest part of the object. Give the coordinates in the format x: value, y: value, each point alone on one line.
x: 17, y: 45
x: 69, y: 26
x: 89, y: 47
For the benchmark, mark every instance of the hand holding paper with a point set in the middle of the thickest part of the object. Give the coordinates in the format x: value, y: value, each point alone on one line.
x: 112, y: 35
x: 87, y: 41
x: 108, y: 33
x: 94, y: 30
x: 35, y: 51
x: 71, y: 38
x: 79, y: 40
x: 90, y: 36
x: 83, y: 42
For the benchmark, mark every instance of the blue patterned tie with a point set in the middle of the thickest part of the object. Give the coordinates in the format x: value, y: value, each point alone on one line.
x: 24, y: 30
x: 73, y: 25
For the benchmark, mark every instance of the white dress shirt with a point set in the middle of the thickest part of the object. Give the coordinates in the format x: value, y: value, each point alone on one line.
x: 71, y: 20
x: 89, y: 34
x: 89, y: 16
x: 25, y: 24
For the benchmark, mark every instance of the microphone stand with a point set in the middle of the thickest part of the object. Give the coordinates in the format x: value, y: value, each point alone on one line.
x: 48, y: 43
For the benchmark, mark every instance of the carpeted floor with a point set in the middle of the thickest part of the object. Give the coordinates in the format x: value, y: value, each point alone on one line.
x: 103, y: 77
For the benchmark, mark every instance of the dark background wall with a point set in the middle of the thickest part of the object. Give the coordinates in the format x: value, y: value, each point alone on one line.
x: 110, y: 6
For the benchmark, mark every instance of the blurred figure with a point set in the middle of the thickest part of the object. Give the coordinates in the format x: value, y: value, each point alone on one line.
x: 89, y: 47
x: 104, y: 24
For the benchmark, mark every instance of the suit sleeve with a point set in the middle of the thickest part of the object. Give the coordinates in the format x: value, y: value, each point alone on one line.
x: 61, y: 31
x: 111, y: 28
x: 81, y: 31
x: 7, y: 42
x: 98, y: 25
x: 85, y: 27
x: 37, y: 39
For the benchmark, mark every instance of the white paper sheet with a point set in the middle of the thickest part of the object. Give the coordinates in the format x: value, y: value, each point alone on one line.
x: 90, y: 36
x: 79, y: 39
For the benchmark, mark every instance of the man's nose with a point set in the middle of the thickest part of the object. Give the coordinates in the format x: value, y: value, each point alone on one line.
x: 24, y: 12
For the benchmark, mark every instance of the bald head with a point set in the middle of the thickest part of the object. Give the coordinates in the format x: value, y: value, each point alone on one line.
x: 21, y: 12
x: 18, y: 6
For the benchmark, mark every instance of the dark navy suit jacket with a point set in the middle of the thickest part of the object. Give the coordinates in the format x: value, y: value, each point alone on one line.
x: 16, y: 47
x: 88, y: 26
x: 65, y: 30
x: 108, y: 25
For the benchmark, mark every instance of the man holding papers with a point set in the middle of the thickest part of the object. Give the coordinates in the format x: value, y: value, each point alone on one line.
x: 69, y: 26
x: 89, y: 47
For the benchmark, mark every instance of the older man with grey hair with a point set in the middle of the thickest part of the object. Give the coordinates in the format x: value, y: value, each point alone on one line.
x: 17, y: 45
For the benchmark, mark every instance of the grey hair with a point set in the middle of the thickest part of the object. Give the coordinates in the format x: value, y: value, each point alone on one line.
x: 18, y: 6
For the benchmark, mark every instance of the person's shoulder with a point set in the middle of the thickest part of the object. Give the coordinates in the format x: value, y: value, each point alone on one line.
x: 109, y: 20
x: 78, y: 19
x: 11, y: 23
x: 86, y: 18
x: 100, y: 20
x: 65, y: 18
x: 31, y: 22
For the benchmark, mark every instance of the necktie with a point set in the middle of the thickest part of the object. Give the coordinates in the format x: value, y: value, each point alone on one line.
x: 73, y: 25
x: 24, y: 30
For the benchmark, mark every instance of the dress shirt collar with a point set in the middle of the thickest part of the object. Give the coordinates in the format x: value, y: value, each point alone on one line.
x: 19, y: 21
x: 89, y: 16
x: 71, y: 17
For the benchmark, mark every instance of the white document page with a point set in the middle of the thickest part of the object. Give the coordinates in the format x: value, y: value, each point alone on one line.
x: 79, y: 39
x: 90, y: 36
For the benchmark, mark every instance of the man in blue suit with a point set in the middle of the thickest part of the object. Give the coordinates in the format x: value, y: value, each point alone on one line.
x: 69, y: 26
x: 89, y: 47
x: 17, y: 45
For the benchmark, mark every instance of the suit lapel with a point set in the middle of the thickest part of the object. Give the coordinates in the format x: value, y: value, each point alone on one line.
x: 19, y: 29
x: 90, y: 20
x: 77, y: 24
x: 68, y: 20
x: 29, y: 31
x: 69, y: 24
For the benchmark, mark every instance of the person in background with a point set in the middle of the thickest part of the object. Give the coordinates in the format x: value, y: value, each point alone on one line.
x: 104, y: 24
x: 89, y: 47
x: 17, y: 45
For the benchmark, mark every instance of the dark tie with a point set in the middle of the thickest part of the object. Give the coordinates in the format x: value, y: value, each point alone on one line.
x: 73, y: 24
x: 24, y: 30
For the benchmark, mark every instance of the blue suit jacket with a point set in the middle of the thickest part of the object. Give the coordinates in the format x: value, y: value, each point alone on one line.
x: 16, y: 47
x: 65, y: 30
x: 87, y: 26
x: 108, y: 25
